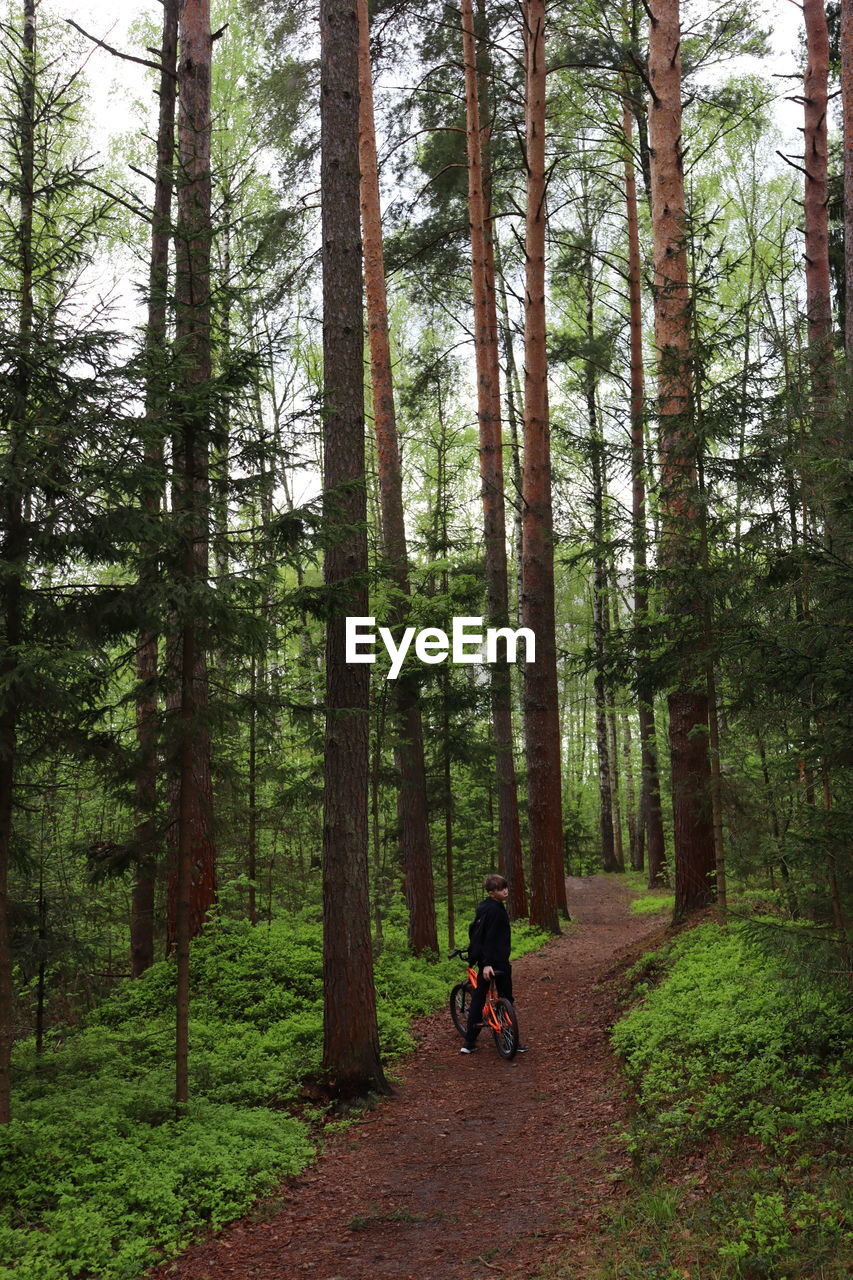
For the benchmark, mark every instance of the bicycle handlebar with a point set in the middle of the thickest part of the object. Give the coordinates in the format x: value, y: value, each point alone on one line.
x: 463, y: 954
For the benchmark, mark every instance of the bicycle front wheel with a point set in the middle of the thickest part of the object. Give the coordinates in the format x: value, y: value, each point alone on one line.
x: 507, y: 1038
x: 460, y: 1003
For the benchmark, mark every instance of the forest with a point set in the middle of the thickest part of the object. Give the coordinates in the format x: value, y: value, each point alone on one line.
x: 425, y: 450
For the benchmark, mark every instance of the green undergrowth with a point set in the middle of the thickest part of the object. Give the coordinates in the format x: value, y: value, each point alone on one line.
x: 735, y: 1052
x: 654, y: 903
x: 645, y: 901
x: 97, y: 1177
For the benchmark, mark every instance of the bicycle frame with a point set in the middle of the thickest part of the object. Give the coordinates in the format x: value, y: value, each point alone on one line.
x: 489, y: 1015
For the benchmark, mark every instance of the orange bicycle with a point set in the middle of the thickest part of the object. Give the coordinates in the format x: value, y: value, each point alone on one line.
x: 498, y: 1013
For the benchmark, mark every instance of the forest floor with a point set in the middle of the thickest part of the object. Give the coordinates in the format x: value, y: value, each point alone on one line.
x: 476, y: 1167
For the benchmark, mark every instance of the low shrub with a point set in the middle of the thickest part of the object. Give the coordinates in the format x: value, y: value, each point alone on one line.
x: 725, y: 1041
x: 735, y: 1051
x: 103, y: 1187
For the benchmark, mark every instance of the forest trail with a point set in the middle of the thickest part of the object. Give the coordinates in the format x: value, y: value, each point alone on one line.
x: 398, y: 1195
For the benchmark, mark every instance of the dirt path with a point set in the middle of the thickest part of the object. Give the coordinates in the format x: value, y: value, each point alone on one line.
x: 397, y: 1195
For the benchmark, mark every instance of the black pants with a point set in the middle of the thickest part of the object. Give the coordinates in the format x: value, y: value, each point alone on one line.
x: 503, y: 982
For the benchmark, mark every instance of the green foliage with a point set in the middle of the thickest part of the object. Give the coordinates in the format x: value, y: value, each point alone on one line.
x: 654, y: 905
x: 724, y: 1042
x: 735, y: 1051
x: 762, y: 1238
x: 101, y: 1183
x: 96, y: 1174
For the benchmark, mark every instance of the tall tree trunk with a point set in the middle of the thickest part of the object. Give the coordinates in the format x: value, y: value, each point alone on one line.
x: 615, y: 795
x: 635, y: 849
x: 15, y: 542
x: 599, y: 589
x: 847, y: 109
x: 350, y: 1033
x: 716, y: 777
x: 818, y: 297
x: 448, y: 807
x: 156, y: 396
x: 542, y: 724
x: 816, y: 216
x: 221, y: 450
x: 376, y: 836
x: 635, y: 852
x: 252, y: 796
x: 512, y: 391
x: 191, y: 486
x: 491, y: 470
x: 634, y: 99
x: 409, y: 750
x: 680, y: 517
x: 193, y: 885
x: 650, y: 804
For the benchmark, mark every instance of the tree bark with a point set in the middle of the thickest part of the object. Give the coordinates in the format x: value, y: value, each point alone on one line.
x: 193, y: 884
x: 156, y: 345
x: 635, y: 849
x: 409, y: 751
x: 599, y: 588
x: 816, y: 215
x: 680, y: 520
x: 650, y: 804
x: 847, y: 110
x: 491, y: 469
x: 15, y: 542
x: 350, y: 1033
x: 191, y: 486
x: 542, y: 727
x: 512, y: 389
x: 615, y: 787
x: 252, y: 796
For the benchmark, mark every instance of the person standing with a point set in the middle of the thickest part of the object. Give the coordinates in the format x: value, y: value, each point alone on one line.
x: 491, y: 929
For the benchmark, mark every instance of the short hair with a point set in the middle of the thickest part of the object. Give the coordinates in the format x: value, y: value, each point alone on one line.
x: 495, y: 882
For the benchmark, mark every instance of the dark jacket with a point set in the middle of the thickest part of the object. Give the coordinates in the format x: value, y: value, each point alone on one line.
x: 496, y: 934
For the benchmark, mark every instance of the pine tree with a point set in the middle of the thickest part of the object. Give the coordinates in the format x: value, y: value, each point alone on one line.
x: 350, y: 1035
x: 14, y: 539
x: 541, y: 713
x: 156, y: 353
x: 193, y: 884
x: 680, y: 516
x: 650, y: 803
x: 409, y: 750
x: 491, y: 461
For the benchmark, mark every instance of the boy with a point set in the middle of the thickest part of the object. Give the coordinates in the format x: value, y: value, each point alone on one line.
x: 494, y: 956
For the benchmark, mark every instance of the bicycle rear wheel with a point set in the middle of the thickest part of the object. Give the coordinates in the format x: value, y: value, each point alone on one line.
x: 507, y: 1038
x: 460, y: 1003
